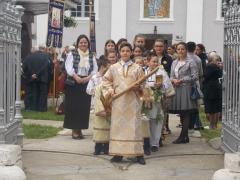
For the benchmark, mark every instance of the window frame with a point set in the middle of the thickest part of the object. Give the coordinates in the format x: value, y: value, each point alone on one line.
x: 169, y: 19
x: 96, y: 10
x: 219, y: 11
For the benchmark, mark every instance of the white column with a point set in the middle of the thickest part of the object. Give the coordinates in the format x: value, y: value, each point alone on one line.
x: 119, y: 21
x: 194, y: 20
x: 42, y: 23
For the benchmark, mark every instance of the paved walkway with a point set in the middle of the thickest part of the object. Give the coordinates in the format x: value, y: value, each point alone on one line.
x: 62, y: 158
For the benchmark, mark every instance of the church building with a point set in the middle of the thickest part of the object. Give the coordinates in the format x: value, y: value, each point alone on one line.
x: 173, y: 21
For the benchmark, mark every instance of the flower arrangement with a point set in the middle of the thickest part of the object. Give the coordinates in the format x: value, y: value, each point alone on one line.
x: 69, y: 22
x: 150, y: 96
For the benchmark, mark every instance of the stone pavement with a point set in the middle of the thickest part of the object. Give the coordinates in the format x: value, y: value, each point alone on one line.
x: 62, y: 158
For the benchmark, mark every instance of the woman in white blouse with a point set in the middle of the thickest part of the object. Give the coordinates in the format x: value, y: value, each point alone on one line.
x: 184, y: 73
x: 80, y: 66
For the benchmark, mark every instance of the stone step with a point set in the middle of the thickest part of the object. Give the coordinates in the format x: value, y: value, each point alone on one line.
x: 11, y: 173
x: 232, y: 162
x: 10, y: 154
x: 226, y: 174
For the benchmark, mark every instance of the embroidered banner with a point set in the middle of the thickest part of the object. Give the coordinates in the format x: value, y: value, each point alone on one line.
x: 55, y: 23
x: 92, y: 33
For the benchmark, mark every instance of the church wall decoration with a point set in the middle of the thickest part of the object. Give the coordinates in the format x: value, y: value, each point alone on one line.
x: 156, y: 9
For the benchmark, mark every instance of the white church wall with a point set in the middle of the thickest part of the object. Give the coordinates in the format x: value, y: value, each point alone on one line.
x: 175, y: 26
x: 212, y: 28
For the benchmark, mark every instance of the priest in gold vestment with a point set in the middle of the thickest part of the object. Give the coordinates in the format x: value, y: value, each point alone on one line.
x: 126, y: 127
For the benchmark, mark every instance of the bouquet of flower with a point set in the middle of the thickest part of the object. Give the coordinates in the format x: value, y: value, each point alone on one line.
x: 69, y: 22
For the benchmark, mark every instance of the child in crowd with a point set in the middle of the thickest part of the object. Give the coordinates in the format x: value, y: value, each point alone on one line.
x: 126, y: 132
x: 111, y: 56
x: 145, y: 59
x: 161, y: 86
x: 101, y: 125
x: 172, y: 52
x: 139, y: 60
x: 119, y: 43
x: 101, y: 122
x: 145, y: 121
x: 137, y: 51
x: 139, y: 40
x: 97, y: 78
x: 110, y: 45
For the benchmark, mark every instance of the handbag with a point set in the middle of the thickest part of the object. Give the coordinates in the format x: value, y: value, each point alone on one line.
x: 195, y: 95
x: 170, y: 92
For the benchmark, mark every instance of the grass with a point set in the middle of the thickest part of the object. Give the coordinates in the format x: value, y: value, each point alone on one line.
x: 33, y: 131
x: 209, y: 134
x: 49, y: 115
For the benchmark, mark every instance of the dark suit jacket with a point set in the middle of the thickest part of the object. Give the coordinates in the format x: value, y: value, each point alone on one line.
x: 36, y: 63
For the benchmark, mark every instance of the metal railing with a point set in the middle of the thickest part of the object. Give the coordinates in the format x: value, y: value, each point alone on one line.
x: 10, y: 62
x: 231, y: 77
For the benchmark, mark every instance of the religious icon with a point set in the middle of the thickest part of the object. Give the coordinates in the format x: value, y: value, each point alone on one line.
x: 156, y: 8
x: 159, y: 79
x: 153, y: 6
x: 55, y: 23
x: 56, y: 17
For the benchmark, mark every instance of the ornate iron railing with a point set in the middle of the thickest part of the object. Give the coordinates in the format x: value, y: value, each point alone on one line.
x: 231, y: 77
x: 10, y: 62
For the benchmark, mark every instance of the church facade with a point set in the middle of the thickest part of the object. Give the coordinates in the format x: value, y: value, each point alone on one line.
x: 171, y: 20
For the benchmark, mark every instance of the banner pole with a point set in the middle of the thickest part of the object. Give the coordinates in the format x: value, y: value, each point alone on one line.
x: 92, y: 32
x: 54, y: 35
x: 54, y: 76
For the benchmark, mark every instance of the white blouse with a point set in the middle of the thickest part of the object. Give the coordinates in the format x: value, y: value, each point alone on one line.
x: 178, y: 66
x: 83, y: 67
x: 152, y: 79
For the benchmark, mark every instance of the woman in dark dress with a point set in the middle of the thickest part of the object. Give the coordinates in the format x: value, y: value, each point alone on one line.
x: 80, y: 66
x: 212, y: 90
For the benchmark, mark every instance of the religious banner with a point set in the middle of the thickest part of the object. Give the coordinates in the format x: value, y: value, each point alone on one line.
x: 55, y: 23
x: 92, y: 33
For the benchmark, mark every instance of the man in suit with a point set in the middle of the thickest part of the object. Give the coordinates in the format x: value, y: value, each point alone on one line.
x: 36, y: 69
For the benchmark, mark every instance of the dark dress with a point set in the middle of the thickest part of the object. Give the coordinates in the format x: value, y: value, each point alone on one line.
x: 212, y: 89
x: 203, y: 58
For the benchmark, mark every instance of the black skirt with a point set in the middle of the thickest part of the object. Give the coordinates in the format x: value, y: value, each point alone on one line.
x: 76, y: 107
x: 213, y: 106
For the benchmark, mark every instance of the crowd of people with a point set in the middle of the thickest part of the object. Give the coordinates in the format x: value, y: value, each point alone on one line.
x: 133, y: 90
